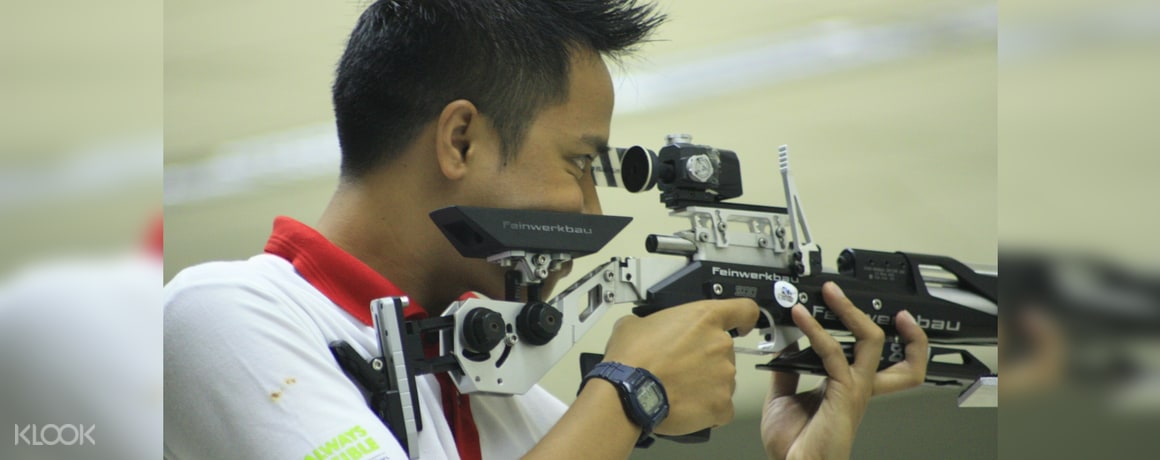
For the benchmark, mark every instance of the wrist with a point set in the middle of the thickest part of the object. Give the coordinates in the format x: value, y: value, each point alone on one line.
x: 643, y: 398
x: 602, y: 393
x: 595, y: 426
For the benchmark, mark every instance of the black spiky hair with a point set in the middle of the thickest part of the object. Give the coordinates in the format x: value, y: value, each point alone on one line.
x: 406, y: 59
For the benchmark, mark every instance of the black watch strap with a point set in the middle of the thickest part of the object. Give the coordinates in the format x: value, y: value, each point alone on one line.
x: 619, y: 375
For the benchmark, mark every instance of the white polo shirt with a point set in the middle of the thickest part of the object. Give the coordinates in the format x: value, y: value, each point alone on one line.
x: 248, y: 371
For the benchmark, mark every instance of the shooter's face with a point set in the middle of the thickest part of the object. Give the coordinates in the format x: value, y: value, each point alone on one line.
x: 552, y: 170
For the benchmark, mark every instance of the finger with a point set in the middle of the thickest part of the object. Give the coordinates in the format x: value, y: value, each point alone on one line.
x: 784, y: 383
x: 733, y: 383
x: 828, y: 349
x: 868, y: 349
x: 912, y: 371
x: 1047, y: 339
x: 855, y: 320
x: 739, y: 313
x: 917, y: 345
x: 732, y: 353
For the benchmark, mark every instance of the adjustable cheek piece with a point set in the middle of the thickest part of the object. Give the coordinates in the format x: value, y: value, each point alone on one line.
x: 492, y: 346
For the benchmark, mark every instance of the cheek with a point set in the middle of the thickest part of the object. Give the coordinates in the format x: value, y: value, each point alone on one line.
x: 569, y: 198
x: 564, y: 197
x: 545, y: 191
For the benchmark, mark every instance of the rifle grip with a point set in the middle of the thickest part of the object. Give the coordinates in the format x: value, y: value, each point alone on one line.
x: 691, y: 438
x: 589, y: 361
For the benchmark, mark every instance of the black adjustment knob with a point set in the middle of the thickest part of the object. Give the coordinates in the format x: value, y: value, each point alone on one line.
x: 538, y: 323
x: 846, y: 262
x: 483, y: 330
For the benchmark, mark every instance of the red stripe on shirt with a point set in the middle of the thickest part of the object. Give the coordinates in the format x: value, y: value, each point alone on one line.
x: 352, y: 285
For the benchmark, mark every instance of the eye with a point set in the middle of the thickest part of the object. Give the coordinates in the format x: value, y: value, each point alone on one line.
x: 584, y: 162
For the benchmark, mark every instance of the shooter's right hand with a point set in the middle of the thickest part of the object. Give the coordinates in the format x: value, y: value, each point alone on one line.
x: 689, y: 348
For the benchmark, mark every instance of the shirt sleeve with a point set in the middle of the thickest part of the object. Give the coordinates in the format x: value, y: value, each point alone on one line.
x: 248, y: 377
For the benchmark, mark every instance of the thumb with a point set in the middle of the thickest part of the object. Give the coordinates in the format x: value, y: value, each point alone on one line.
x: 740, y: 313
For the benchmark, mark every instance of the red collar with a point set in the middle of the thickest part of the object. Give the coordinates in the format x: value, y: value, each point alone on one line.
x: 352, y: 285
x: 344, y: 279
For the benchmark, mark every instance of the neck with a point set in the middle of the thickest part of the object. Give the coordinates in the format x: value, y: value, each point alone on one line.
x: 388, y: 229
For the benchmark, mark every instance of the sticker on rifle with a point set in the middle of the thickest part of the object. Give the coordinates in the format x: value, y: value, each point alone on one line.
x: 785, y: 294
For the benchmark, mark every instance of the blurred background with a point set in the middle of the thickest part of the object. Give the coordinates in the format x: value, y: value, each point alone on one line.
x: 80, y: 147
x: 944, y: 126
x: 1080, y: 258
x: 80, y: 239
x: 888, y: 106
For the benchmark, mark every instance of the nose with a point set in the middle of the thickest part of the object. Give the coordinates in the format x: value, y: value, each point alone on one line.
x: 591, y: 203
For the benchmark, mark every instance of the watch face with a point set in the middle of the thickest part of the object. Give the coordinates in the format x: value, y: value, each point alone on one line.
x: 649, y: 397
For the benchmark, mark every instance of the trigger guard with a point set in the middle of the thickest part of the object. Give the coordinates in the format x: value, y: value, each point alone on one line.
x: 777, y: 338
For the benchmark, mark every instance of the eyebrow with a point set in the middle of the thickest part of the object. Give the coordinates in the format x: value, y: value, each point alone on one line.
x: 596, y: 142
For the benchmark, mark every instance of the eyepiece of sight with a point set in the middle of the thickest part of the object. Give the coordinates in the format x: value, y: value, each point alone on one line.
x: 638, y: 169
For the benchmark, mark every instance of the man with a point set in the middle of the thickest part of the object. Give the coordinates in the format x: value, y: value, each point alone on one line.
x: 480, y: 103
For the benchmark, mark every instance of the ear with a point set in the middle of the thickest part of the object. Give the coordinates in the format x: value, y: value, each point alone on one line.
x: 456, y: 134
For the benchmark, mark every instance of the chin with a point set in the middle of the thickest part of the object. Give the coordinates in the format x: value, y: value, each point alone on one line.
x: 496, y: 289
x: 554, y: 278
